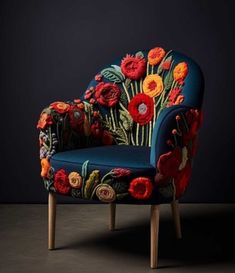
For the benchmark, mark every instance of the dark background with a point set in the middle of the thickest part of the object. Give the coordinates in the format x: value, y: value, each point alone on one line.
x: 51, y: 49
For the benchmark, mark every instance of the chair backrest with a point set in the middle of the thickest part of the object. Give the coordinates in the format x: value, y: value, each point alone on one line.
x: 131, y: 93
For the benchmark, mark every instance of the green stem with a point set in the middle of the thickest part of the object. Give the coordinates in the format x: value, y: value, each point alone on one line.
x: 147, y: 69
x: 136, y: 88
x: 126, y: 91
x: 142, y: 136
x: 137, y: 134
x: 152, y: 69
x: 132, y: 90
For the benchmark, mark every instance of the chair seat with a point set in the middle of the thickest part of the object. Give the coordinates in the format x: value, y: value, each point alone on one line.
x: 105, y: 158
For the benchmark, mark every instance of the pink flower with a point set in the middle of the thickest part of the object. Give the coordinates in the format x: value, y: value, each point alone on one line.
x: 120, y: 172
x: 98, y: 77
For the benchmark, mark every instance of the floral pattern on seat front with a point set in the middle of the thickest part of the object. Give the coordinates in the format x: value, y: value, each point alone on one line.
x: 121, y: 106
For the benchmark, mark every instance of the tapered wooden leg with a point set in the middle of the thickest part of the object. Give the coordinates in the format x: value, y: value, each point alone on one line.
x: 154, y: 228
x: 176, y: 217
x: 51, y: 220
x: 112, y: 216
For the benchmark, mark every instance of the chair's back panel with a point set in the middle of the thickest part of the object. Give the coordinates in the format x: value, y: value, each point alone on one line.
x: 131, y: 93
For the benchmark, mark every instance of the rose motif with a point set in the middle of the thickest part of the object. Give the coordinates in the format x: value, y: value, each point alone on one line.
x: 107, y: 94
x: 153, y: 85
x: 61, y: 182
x: 141, y: 188
x: 141, y: 108
x: 133, y: 67
x: 105, y: 193
x: 75, y: 180
x: 155, y: 55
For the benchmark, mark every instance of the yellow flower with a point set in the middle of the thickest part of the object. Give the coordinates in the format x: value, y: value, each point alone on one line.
x: 153, y: 85
x: 75, y: 180
x: 180, y: 71
x: 155, y: 55
x: 45, y: 164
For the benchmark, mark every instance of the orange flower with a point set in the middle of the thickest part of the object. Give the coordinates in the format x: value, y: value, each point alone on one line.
x: 155, y: 55
x: 180, y: 71
x: 45, y: 164
x: 60, y: 107
x: 44, y: 120
x: 153, y: 85
x: 179, y: 100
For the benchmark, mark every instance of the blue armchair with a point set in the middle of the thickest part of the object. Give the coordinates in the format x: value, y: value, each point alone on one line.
x: 130, y: 139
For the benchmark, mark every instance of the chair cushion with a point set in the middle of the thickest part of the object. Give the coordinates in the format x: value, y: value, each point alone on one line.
x: 116, y: 173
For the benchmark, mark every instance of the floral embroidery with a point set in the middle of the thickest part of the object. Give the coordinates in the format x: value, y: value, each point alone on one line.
x: 153, y: 85
x: 180, y: 71
x: 141, y: 108
x: 45, y: 120
x: 133, y: 67
x: 61, y: 183
x: 141, y: 188
x: 105, y: 193
x: 75, y: 180
x: 155, y: 55
x: 45, y: 164
x: 107, y: 94
x: 60, y: 107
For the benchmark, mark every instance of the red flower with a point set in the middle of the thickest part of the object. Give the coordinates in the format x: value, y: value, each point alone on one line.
x: 44, y: 120
x: 76, y: 117
x: 107, y: 94
x: 173, y: 96
x: 194, y: 120
x: 166, y: 65
x: 107, y: 138
x: 120, y: 172
x: 133, y: 67
x: 141, y: 108
x: 141, y: 188
x: 168, y: 164
x: 60, y: 107
x: 182, y: 180
x: 61, y: 182
x: 96, y: 129
x: 98, y: 77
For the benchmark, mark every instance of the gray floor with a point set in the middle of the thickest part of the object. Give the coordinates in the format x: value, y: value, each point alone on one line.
x: 84, y: 243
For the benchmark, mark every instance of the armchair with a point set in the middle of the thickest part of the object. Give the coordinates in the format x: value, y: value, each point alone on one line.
x: 129, y: 140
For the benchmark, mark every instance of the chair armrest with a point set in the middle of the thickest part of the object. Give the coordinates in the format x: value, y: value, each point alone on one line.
x: 68, y: 125
x: 179, y: 118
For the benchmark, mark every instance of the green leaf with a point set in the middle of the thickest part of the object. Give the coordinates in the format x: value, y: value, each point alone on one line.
x: 139, y: 54
x: 113, y: 75
x: 126, y: 119
x: 117, y: 67
x: 168, y: 80
x: 123, y: 99
x: 92, y: 181
x: 84, y: 169
x: 127, y: 83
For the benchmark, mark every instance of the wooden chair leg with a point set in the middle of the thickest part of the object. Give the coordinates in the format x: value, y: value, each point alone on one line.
x: 112, y: 216
x: 154, y: 228
x: 176, y: 217
x: 51, y: 220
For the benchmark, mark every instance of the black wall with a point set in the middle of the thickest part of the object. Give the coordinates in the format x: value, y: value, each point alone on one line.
x: 51, y: 49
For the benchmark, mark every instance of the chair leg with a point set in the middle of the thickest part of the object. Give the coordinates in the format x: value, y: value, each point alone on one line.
x: 112, y: 216
x: 154, y: 228
x: 176, y: 217
x: 51, y: 220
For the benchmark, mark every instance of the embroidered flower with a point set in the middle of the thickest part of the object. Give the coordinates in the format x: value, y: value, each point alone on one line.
x: 120, y: 172
x: 153, y: 85
x: 107, y: 94
x: 180, y: 71
x: 60, y: 107
x: 76, y: 117
x: 168, y: 163
x: 166, y: 65
x: 75, y: 180
x: 133, y: 67
x: 141, y: 108
x: 45, y: 164
x: 105, y: 193
x: 141, y: 188
x: 182, y: 180
x: 155, y: 55
x: 61, y: 182
x: 174, y: 93
x: 44, y: 120
x: 98, y: 77
x: 107, y: 138
x: 194, y: 120
x: 179, y: 100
